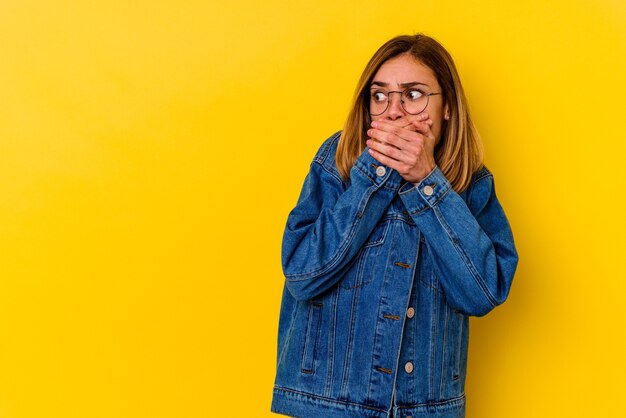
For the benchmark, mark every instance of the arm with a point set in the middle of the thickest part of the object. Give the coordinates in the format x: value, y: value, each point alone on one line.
x: 472, y: 243
x: 328, y: 226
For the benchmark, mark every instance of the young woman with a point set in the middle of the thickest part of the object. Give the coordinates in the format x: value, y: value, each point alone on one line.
x: 396, y: 239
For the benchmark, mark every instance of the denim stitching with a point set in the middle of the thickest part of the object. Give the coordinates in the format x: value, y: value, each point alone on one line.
x: 306, y: 344
x: 340, y: 251
x: 329, y: 171
x: 452, y: 402
x: 381, y: 240
x: 457, y: 366
x: 382, y: 184
x: 281, y: 357
x: 331, y: 345
x: 433, y: 333
x: 430, y: 285
x: 310, y: 395
x: 313, y: 326
x: 385, y: 278
x: 468, y: 264
x: 348, y: 357
x: 473, y: 189
x: 443, y: 352
x: 322, y: 154
x: 481, y: 174
x: 361, y: 256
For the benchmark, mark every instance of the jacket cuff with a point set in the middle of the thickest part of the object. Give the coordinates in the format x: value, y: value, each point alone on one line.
x: 427, y: 193
x: 378, y: 173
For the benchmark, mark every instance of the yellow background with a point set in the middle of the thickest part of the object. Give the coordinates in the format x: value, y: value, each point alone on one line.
x: 150, y: 152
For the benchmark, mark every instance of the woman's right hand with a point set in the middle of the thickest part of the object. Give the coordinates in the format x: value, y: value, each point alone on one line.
x: 405, y: 145
x: 416, y: 123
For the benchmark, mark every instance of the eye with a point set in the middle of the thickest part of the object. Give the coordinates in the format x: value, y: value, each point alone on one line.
x: 379, y: 96
x: 413, y: 94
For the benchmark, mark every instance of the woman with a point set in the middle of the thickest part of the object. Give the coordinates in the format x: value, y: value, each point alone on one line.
x: 396, y: 239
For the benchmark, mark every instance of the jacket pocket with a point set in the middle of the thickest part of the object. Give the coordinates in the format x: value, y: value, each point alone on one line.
x: 455, y: 354
x: 456, y: 334
x: 312, y: 337
x: 368, y: 256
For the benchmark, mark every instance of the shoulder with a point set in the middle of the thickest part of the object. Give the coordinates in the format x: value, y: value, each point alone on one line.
x: 325, y: 156
x: 482, y: 174
x: 480, y: 190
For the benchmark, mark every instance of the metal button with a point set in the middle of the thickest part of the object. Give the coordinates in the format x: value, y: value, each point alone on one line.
x: 410, y: 313
x: 428, y: 190
x: 408, y: 367
x: 409, y: 416
x: 380, y: 171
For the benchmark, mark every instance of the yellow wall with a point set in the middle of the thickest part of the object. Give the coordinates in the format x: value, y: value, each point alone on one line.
x: 151, y: 150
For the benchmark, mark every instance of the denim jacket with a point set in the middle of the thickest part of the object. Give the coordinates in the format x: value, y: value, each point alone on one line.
x: 381, y: 276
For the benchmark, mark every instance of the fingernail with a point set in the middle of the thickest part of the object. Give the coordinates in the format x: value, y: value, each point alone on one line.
x: 369, y: 132
x: 375, y: 124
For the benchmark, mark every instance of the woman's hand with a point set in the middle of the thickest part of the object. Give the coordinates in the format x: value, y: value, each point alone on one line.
x: 406, y: 145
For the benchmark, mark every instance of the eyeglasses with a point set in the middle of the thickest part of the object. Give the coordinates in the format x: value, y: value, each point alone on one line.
x: 413, y: 101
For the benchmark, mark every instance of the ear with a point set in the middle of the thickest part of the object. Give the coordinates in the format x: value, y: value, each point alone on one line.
x: 446, y: 112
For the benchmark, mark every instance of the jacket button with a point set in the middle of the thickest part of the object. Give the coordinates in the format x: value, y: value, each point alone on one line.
x: 428, y: 190
x: 408, y: 367
x: 410, y: 313
x: 380, y: 171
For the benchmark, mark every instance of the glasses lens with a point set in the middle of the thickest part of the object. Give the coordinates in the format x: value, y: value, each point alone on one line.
x: 378, y: 103
x: 414, y: 101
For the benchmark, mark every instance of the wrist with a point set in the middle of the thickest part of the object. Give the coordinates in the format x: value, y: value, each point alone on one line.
x: 425, y: 174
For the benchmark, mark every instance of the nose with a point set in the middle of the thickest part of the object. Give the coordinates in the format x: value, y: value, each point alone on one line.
x: 395, y: 110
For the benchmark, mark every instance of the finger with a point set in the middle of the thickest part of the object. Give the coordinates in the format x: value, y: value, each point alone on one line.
x: 429, y: 140
x: 407, y: 145
x: 423, y: 127
x: 387, y: 131
x: 388, y: 150
x: 401, y: 123
x: 409, y: 142
x: 385, y: 160
x: 384, y: 137
x: 407, y: 121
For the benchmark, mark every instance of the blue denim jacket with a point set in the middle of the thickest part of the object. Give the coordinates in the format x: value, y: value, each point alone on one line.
x: 381, y: 276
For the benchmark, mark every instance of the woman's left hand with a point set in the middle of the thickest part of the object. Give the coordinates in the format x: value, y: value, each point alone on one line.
x: 406, y: 145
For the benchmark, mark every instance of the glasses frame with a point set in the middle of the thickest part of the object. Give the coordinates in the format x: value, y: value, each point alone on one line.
x: 401, y: 101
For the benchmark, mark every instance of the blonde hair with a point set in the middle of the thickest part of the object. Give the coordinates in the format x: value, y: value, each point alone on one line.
x: 459, y: 152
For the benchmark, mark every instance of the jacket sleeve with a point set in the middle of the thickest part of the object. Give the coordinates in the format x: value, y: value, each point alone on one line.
x: 330, y: 223
x: 472, y: 243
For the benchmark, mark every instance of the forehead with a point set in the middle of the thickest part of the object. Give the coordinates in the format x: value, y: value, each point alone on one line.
x: 405, y: 69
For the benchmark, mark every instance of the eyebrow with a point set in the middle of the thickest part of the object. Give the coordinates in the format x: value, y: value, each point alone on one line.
x: 405, y: 85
